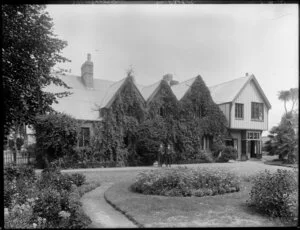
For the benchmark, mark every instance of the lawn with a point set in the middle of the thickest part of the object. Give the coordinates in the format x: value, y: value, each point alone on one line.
x: 229, y: 210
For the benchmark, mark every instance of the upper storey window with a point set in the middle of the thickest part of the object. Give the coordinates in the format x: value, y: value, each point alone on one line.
x: 239, y: 111
x: 257, y: 111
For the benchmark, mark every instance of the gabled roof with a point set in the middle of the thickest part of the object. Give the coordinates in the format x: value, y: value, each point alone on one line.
x: 113, y: 90
x: 148, y: 91
x: 83, y: 103
x: 181, y: 89
x: 229, y: 91
x: 111, y: 93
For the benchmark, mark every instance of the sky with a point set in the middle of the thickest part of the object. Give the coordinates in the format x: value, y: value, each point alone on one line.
x: 221, y: 42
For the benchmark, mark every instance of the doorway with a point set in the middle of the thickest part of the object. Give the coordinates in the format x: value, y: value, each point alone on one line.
x: 253, y: 149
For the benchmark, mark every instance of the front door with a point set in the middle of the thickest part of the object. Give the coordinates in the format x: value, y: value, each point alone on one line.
x: 253, y: 149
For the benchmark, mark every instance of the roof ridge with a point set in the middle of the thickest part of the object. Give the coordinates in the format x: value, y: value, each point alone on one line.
x: 229, y: 81
x: 184, y: 81
x: 146, y: 86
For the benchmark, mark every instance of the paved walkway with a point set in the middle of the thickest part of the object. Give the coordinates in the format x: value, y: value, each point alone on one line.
x: 102, y: 214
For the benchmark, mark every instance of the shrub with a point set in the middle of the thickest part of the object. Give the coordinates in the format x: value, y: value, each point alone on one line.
x: 275, y: 194
x: 185, y: 182
x: 204, y: 157
x: 53, y: 178
x: 48, y: 205
x: 19, y: 184
x: 78, y: 179
x: 229, y: 153
x: 56, y: 136
x: 216, y: 149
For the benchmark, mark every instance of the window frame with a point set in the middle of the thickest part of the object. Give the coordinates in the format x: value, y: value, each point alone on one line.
x: 236, y: 112
x: 84, y: 140
x: 253, y: 111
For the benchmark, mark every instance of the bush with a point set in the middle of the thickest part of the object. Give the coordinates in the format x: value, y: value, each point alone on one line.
x: 78, y: 179
x: 186, y: 182
x: 51, y: 201
x: 53, y: 178
x: 275, y: 194
x: 229, y: 153
x: 216, y: 149
x: 19, y: 184
x: 56, y: 136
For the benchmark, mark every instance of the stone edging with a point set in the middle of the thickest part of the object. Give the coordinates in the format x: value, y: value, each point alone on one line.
x: 131, y: 218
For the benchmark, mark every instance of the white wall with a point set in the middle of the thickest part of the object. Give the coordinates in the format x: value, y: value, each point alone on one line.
x: 249, y: 94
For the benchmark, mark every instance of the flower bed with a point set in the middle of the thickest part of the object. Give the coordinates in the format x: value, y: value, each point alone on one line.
x: 182, y: 181
x: 50, y: 201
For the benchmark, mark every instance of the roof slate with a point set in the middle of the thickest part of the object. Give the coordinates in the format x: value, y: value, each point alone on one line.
x: 227, y: 91
x: 180, y: 89
x: 85, y: 103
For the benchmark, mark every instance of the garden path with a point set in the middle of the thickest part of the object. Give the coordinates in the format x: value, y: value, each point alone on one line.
x: 102, y: 214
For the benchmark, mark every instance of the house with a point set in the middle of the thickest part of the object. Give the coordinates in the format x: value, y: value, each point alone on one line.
x: 246, y: 108
x: 242, y: 101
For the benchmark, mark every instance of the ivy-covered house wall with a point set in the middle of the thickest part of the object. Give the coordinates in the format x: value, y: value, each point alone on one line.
x: 200, y: 119
x: 132, y: 128
x: 120, y: 123
x: 160, y: 124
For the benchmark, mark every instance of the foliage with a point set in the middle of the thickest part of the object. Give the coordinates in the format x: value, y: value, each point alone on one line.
x: 19, y: 184
x: 275, y: 194
x: 56, y: 136
x: 19, y: 143
x: 31, y: 149
x: 78, y: 179
x: 282, y: 140
x: 50, y: 201
x: 186, y: 182
x: 217, y: 148
x: 289, y: 95
x: 29, y: 50
x: 228, y: 153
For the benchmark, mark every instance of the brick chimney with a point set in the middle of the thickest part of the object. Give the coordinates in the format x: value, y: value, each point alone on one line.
x: 87, y: 71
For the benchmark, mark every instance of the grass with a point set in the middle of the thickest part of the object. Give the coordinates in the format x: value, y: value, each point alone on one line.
x: 229, y: 210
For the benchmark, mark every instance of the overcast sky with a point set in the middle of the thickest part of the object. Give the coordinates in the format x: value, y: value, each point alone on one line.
x: 219, y: 42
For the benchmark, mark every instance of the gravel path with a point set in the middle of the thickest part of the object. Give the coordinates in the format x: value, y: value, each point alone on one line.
x: 102, y: 214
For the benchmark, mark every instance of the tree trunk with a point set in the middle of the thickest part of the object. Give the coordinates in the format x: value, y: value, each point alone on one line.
x: 285, y: 107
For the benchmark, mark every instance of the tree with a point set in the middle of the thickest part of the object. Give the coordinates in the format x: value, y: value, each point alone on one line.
x: 283, y: 140
x: 30, y: 50
x: 284, y: 95
x: 289, y: 95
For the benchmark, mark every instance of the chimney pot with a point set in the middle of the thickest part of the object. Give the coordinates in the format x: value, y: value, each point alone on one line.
x: 247, y: 74
x: 89, y: 57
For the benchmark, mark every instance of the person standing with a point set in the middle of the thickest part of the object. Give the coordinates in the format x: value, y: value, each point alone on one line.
x: 161, y: 154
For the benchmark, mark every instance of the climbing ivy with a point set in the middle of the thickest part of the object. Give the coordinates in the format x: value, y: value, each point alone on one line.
x: 132, y: 129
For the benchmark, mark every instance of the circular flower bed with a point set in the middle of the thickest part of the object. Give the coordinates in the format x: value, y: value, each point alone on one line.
x: 186, y: 182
